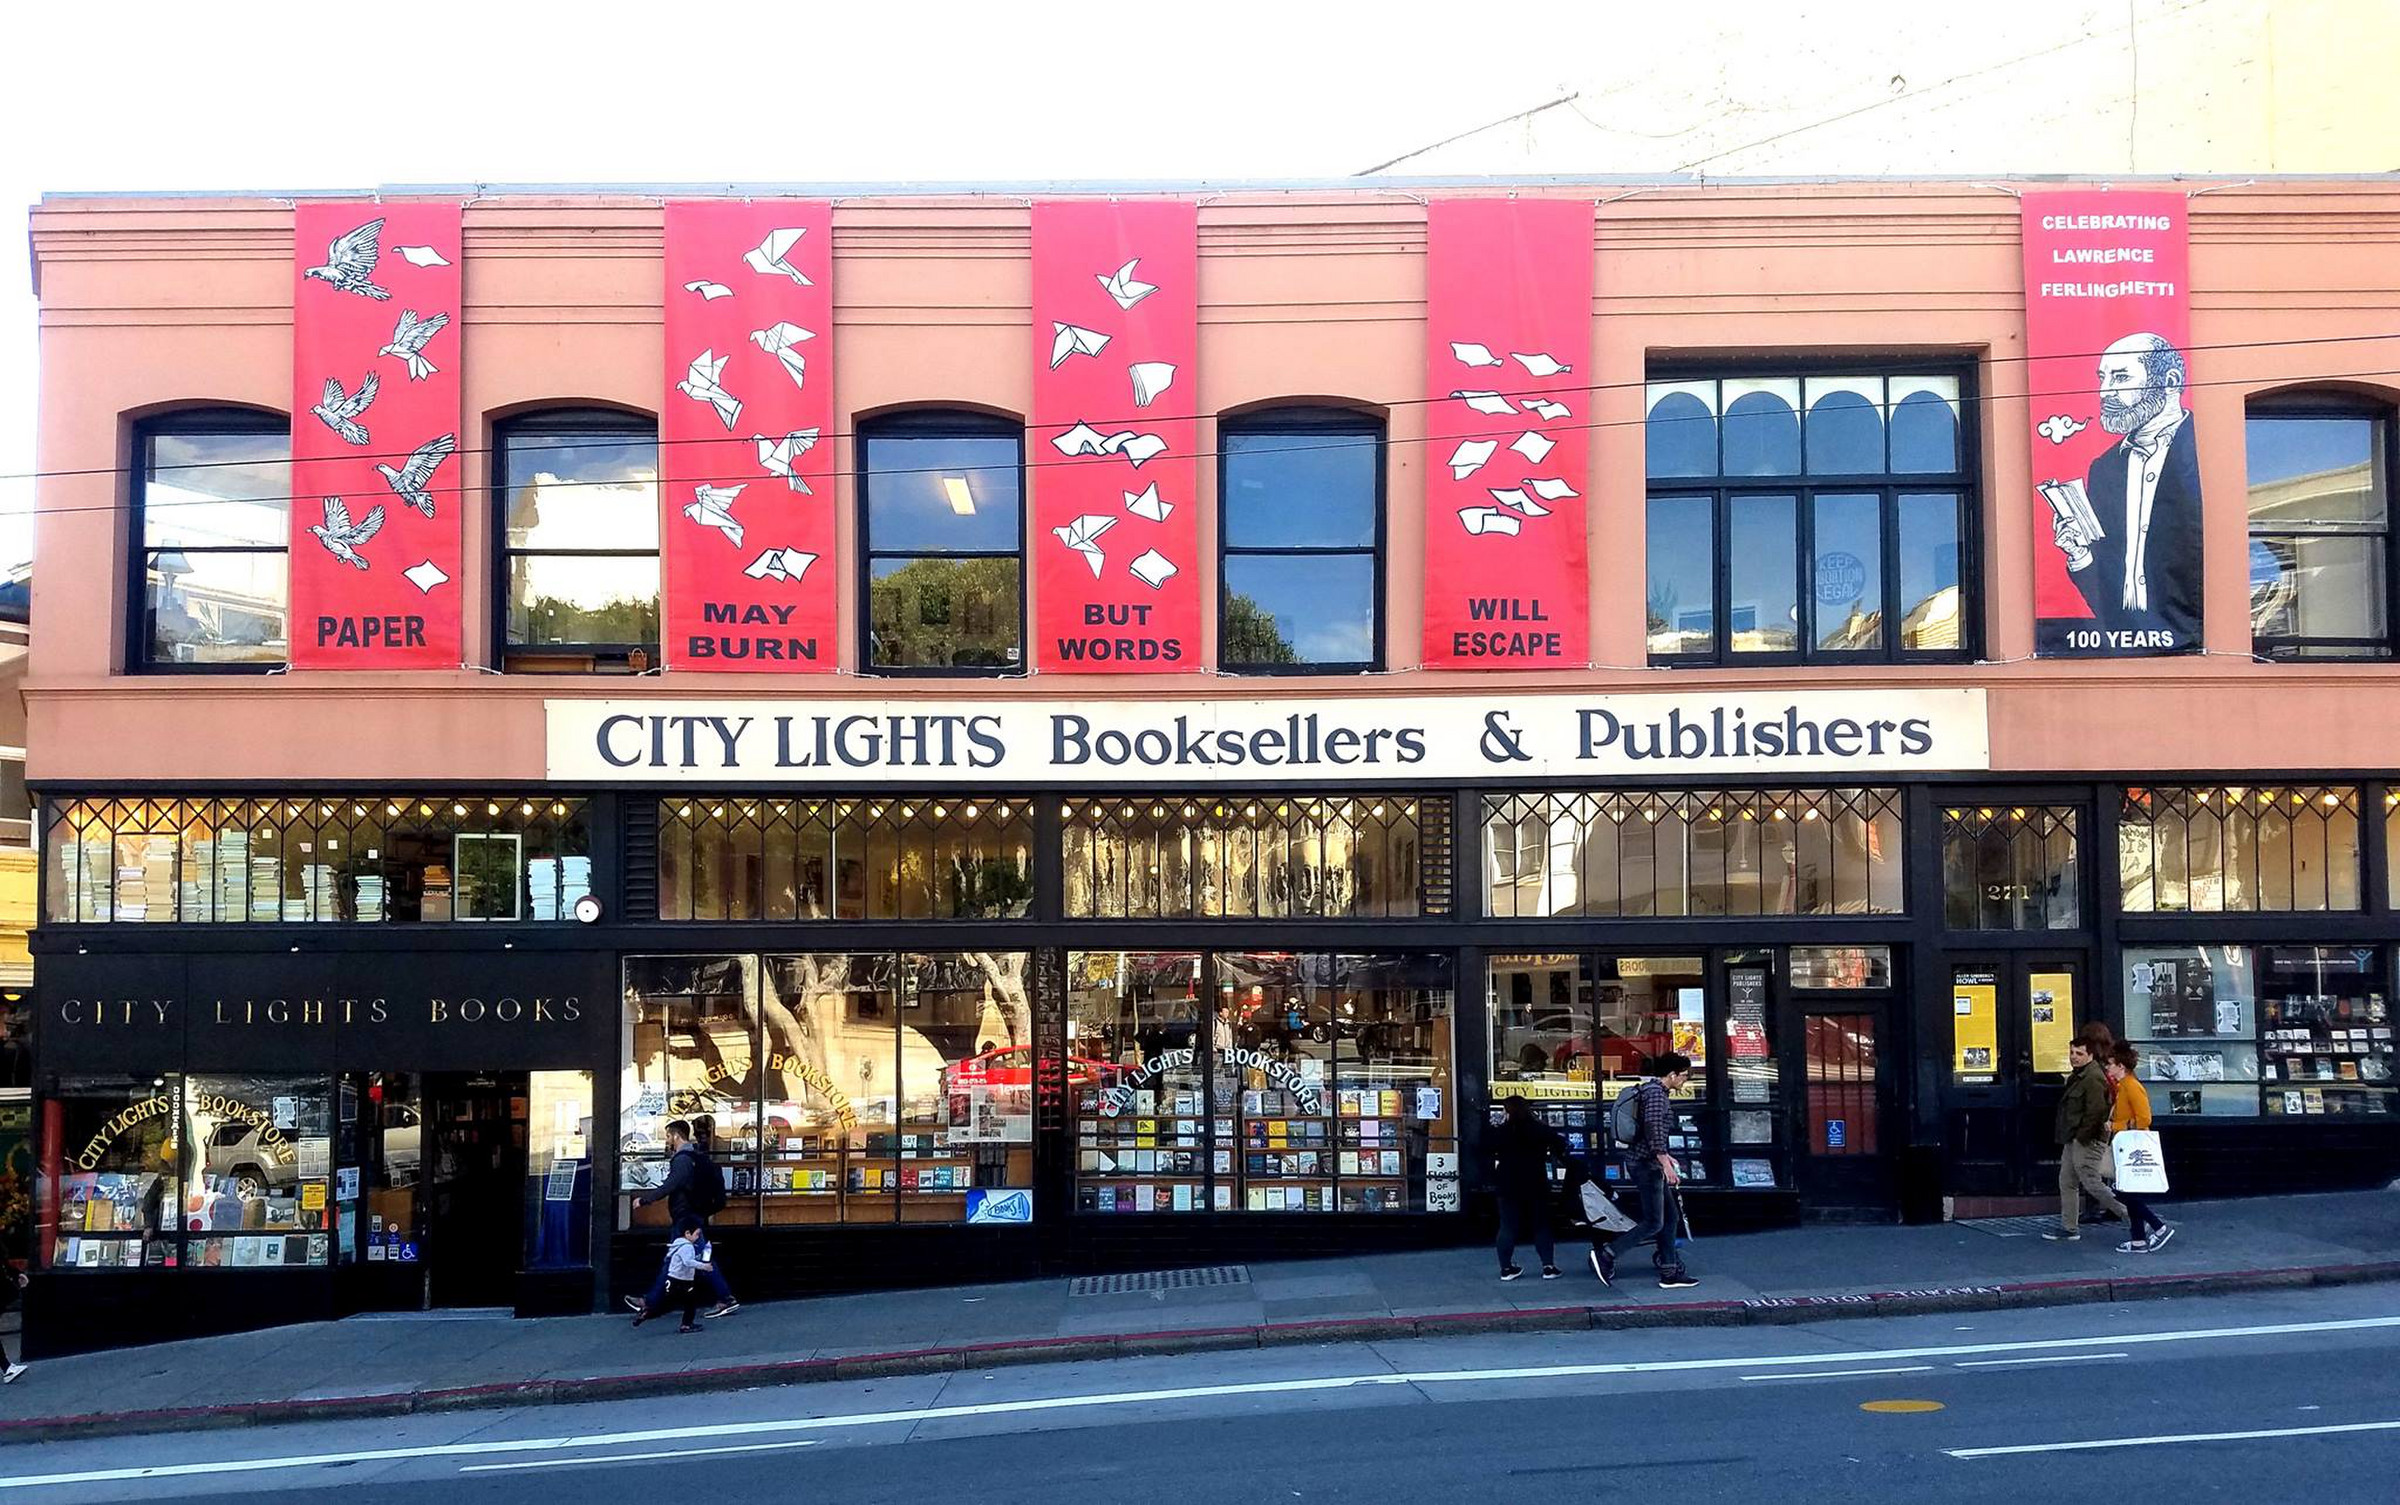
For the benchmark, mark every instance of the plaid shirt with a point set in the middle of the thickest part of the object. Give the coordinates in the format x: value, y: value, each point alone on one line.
x: 1657, y: 1115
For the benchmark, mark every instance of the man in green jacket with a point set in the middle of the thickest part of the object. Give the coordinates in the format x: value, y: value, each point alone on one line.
x: 2082, y: 1133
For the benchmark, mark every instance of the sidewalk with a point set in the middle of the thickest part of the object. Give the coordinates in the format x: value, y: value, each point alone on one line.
x: 394, y: 1364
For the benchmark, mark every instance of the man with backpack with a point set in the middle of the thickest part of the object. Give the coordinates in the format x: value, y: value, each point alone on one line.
x: 1638, y: 1123
x: 694, y: 1190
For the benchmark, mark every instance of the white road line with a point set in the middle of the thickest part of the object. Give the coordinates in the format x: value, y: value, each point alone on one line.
x: 1839, y: 1374
x: 2170, y: 1440
x: 2059, y: 1358
x: 747, y: 1447
x: 1182, y: 1393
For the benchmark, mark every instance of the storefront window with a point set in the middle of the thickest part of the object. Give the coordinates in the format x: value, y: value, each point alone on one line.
x: 365, y: 859
x: 112, y: 1202
x: 1540, y: 1008
x: 2326, y: 1031
x: 1330, y: 857
x: 1673, y: 853
x: 395, y: 1170
x: 692, y: 1029
x: 965, y: 1135
x: 2010, y: 868
x: 2237, y: 849
x: 558, y: 1171
x: 257, y: 1172
x: 1136, y: 1072
x: 2191, y: 1014
x: 898, y: 859
x: 829, y: 1021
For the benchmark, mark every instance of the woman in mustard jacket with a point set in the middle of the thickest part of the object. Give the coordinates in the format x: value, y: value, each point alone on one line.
x: 2148, y: 1232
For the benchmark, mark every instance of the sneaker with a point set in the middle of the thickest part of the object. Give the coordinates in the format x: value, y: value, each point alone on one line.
x: 636, y: 1304
x: 2160, y: 1235
x: 1549, y: 1272
x: 724, y: 1309
x: 1604, y: 1265
x: 2134, y: 1246
x: 689, y: 1327
x: 1676, y: 1280
x: 1510, y: 1272
x: 2061, y: 1235
x: 640, y: 1317
x: 9, y: 1377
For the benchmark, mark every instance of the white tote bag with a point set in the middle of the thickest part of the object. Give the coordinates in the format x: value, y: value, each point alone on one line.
x: 2141, y: 1164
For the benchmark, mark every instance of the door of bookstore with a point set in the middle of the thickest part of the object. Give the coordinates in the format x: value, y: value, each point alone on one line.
x: 2012, y: 1016
x: 475, y: 1223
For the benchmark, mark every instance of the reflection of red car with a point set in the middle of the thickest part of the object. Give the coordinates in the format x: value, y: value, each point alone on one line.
x: 1012, y: 1066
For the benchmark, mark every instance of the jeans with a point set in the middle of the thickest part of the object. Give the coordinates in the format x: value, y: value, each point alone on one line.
x: 1659, y: 1220
x: 1527, y: 1211
x: 2078, y: 1172
x: 2140, y: 1220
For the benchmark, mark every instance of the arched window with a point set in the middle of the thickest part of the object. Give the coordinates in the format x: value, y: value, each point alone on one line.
x: 576, y: 564
x: 2322, y: 576
x: 1300, y: 521
x: 211, y: 535
x: 942, y: 542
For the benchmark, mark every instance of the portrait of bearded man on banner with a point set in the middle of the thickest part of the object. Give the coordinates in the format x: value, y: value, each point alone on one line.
x: 2137, y: 563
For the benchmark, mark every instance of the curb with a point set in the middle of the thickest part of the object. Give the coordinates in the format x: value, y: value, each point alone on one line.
x: 1771, y: 1311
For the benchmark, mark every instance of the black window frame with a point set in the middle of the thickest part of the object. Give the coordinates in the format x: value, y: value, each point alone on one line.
x: 1307, y: 419
x: 583, y: 420
x: 1804, y: 487
x: 2320, y: 405
x: 938, y: 423
x: 214, y: 419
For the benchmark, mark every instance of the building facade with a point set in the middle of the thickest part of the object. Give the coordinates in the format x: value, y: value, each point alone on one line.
x: 1007, y: 897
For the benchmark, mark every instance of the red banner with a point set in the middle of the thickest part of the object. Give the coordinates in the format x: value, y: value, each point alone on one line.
x: 375, y: 541
x: 2116, y: 465
x: 746, y: 526
x: 1508, y: 324
x: 1116, y: 338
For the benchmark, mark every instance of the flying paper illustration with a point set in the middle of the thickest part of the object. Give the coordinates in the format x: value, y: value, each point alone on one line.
x: 1153, y: 569
x: 1470, y: 455
x: 1519, y: 501
x: 1533, y: 446
x: 1482, y: 520
x: 412, y: 482
x: 421, y: 256
x: 341, y: 537
x: 425, y: 575
x: 1540, y: 365
x: 1546, y: 410
x: 1146, y: 504
x: 1470, y: 354
x: 780, y: 564
x: 1550, y: 490
x: 767, y: 257
x: 340, y: 409
x: 709, y: 291
x: 701, y: 386
x: 1083, y: 536
x: 1124, y: 287
x: 1073, y: 340
x: 712, y: 507
x: 1136, y: 447
x: 1149, y: 379
x: 1485, y: 402
x: 782, y: 341
x: 1083, y: 439
x: 778, y: 456
x: 408, y: 342
x: 350, y: 263
x: 2058, y: 428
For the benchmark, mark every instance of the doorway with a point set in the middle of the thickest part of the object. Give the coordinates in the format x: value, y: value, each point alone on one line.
x: 474, y: 1149
x: 2012, y: 1017
x: 1843, y: 1031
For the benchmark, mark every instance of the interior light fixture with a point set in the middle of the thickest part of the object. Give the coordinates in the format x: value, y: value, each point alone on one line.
x: 962, y: 496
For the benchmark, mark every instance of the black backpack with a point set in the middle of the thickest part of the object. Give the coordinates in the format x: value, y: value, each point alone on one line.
x: 706, y: 1195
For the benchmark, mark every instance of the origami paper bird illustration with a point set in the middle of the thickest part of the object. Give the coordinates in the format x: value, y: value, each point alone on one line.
x: 1082, y: 439
x: 425, y: 575
x: 701, y: 386
x: 1136, y: 447
x: 1146, y: 504
x: 1468, y: 458
x: 1539, y: 365
x: 408, y: 342
x: 1082, y: 535
x: 411, y: 482
x: 1518, y: 501
x: 780, y: 564
x: 1550, y: 490
x: 1485, y: 402
x: 421, y: 256
x: 1149, y: 379
x: 782, y: 341
x: 777, y: 456
x: 1482, y: 520
x: 1073, y: 340
x: 350, y: 263
x: 340, y: 410
x: 1533, y: 446
x: 1470, y: 354
x: 1153, y: 569
x: 768, y: 256
x: 1123, y: 286
x: 341, y: 537
x: 712, y: 507
x: 709, y: 291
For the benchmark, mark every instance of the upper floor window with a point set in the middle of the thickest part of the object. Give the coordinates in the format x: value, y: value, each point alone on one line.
x: 2239, y: 848
x: 1301, y: 514
x: 943, y: 545
x: 578, y: 550
x: 2321, y: 568
x: 211, y: 537
x: 1809, y: 519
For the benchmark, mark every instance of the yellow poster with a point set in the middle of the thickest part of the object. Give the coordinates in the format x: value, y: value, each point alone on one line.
x: 1975, y: 1026
x: 2051, y: 997
x: 312, y: 1196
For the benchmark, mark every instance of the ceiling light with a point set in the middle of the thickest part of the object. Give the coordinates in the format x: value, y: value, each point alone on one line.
x: 962, y: 497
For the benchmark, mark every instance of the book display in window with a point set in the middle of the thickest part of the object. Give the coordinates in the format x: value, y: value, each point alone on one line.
x: 2326, y: 1031
x: 1151, y: 1157
x: 2191, y: 1015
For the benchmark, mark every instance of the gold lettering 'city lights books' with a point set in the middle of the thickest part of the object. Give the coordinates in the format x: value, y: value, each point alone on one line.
x: 2070, y: 504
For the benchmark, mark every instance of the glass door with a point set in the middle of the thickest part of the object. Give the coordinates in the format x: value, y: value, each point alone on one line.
x: 2012, y: 1017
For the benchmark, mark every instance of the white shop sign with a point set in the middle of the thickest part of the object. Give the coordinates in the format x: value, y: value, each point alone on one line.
x: 1361, y: 739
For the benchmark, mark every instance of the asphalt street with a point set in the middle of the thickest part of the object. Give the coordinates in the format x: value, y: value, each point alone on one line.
x: 2261, y: 1398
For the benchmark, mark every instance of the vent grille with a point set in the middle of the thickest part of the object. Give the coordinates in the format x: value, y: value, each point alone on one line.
x: 1434, y: 825
x: 1159, y: 1280
x: 640, y: 859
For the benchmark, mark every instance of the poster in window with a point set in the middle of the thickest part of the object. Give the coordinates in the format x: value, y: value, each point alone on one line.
x: 746, y: 472
x: 1508, y: 310
x: 2116, y: 459
x: 376, y: 548
x: 1116, y: 342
